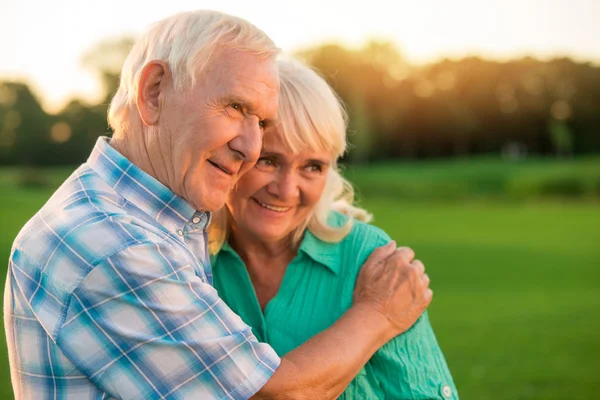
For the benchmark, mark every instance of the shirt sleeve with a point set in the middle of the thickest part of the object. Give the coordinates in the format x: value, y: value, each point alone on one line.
x: 143, y: 325
x: 412, y: 366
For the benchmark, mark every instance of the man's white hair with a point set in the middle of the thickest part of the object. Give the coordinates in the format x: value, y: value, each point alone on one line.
x: 185, y: 41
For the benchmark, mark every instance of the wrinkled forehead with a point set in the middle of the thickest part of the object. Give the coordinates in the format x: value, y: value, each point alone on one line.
x: 230, y: 62
x: 235, y: 73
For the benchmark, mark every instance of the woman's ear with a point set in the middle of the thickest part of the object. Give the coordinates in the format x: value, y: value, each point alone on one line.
x: 154, y: 78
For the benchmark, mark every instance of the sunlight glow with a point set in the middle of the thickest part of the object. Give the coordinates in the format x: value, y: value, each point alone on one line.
x: 43, y: 42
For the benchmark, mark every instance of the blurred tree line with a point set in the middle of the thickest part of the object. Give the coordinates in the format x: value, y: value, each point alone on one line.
x: 449, y: 108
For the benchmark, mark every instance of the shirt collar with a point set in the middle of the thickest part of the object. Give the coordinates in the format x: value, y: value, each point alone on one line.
x: 323, y: 253
x: 225, y: 248
x: 141, y: 189
x: 326, y: 254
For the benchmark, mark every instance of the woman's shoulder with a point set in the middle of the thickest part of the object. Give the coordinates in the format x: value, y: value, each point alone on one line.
x: 359, y: 243
x: 365, y: 233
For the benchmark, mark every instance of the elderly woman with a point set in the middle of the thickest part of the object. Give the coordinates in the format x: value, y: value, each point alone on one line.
x: 289, y: 244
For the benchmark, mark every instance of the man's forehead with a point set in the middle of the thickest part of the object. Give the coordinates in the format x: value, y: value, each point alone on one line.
x: 245, y: 74
x: 230, y: 62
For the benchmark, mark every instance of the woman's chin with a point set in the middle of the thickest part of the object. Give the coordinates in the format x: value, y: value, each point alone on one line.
x: 269, y: 234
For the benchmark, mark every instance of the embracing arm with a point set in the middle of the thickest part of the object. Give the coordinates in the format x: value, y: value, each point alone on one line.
x: 411, y: 366
x: 142, y: 325
x: 323, y: 366
x: 390, y: 295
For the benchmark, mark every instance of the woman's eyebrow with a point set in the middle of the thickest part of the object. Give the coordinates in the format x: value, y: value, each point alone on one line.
x: 266, y: 153
x: 318, y: 161
x: 313, y: 161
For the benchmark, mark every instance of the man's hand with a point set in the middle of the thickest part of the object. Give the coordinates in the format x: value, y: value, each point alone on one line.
x: 391, y: 292
x: 392, y: 283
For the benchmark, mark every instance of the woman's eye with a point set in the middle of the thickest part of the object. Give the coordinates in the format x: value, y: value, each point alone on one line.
x: 265, y: 164
x: 314, y: 168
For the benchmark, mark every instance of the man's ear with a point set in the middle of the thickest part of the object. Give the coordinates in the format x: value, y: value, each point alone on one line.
x: 154, y: 78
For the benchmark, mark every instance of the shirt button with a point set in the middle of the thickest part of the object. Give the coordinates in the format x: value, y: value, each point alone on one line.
x: 195, y: 220
x: 446, y: 391
x: 179, y: 232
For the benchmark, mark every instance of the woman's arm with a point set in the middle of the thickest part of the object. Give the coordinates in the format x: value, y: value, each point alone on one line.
x: 412, y: 366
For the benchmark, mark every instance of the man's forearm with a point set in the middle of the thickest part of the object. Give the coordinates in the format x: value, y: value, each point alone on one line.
x: 323, y: 367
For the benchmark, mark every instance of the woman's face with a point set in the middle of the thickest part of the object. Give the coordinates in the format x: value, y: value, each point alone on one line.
x: 278, y: 194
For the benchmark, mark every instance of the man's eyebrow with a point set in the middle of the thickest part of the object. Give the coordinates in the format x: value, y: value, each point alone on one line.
x: 242, y: 101
x: 248, y: 107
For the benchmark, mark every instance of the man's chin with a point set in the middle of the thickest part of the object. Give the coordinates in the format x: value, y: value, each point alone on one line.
x: 215, y: 202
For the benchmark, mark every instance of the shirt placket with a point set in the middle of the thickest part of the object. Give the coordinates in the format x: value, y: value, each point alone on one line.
x: 195, y: 237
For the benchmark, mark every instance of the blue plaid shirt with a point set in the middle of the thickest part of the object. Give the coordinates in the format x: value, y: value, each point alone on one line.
x: 109, y: 295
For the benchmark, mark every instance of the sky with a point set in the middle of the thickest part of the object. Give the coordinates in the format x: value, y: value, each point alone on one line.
x: 42, y: 41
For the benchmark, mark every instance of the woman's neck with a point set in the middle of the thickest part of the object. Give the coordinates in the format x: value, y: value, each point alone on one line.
x: 265, y: 261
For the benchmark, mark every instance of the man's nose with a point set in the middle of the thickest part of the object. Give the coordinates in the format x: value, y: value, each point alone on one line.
x: 248, y: 143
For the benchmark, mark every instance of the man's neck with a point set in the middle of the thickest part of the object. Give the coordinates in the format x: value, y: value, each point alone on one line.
x: 134, y: 146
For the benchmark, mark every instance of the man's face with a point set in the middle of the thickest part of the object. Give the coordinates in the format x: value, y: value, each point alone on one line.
x: 216, y: 129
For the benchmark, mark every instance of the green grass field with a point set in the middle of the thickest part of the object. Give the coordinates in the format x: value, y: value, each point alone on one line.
x: 517, y: 283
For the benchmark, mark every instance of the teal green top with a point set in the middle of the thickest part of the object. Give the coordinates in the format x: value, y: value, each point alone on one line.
x: 316, y: 290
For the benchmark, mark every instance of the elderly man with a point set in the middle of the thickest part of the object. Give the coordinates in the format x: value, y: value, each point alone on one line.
x: 109, y: 289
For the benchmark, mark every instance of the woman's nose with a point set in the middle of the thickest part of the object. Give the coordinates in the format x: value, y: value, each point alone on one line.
x: 285, y: 187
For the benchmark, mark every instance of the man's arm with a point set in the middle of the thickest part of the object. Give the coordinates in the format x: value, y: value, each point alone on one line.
x: 391, y: 293
x: 143, y: 325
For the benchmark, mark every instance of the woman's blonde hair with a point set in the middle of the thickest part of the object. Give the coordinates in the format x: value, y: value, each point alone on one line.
x: 310, y: 116
x: 185, y: 41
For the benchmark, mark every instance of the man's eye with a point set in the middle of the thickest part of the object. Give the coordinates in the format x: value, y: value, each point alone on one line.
x: 236, y: 106
x: 262, y: 124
